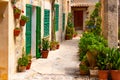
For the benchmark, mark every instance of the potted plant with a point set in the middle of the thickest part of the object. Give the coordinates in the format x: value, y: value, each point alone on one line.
x: 16, y: 31
x: 22, y: 63
x: 103, y: 62
x: 23, y: 20
x: 69, y: 33
x: 17, y: 12
x: 57, y: 45
x: 52, y: 45
x: 29, y: 61
x: 83, y: 66
x: 115, y: 64
x: 75, y: 34
x: 45, y: 47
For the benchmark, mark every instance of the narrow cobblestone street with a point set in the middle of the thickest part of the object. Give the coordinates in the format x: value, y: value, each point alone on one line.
x: 62, y: 64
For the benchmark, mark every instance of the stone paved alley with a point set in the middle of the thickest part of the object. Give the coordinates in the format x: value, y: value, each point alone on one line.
x: 62, y: 64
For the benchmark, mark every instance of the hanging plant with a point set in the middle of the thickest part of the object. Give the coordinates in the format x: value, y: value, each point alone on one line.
x: 16, y: 31
x: 23, y: 20
x: 17, y: 12
x: 13, y: 1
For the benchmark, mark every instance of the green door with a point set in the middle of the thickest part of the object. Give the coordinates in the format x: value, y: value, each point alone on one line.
x: 28, y: 28
x: 38, y: 31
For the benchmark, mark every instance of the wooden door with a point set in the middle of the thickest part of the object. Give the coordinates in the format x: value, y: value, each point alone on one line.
x: 78, y: 20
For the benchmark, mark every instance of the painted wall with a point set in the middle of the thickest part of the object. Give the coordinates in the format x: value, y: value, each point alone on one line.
x: 4, y: 40
x: 12, y: 46
x: 33, y: 43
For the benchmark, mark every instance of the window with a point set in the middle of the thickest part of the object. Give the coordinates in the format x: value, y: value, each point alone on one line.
x: 56, y: 17
x: 46, y: 22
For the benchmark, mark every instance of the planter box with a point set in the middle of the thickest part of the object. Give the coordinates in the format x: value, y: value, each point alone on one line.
x: 115, y: 74
x: 93, y: 73
x: 103, y: 74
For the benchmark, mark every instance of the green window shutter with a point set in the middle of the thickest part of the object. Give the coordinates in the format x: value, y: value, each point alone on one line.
x: 63, y: 22
x: 38, y: 31
x: 56, y: 17
x: 46, y: 22
x: 28, y: 28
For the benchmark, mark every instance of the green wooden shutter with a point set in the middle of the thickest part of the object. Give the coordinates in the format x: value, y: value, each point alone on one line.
x: 28, y: 28
x: 63, y: 22
x: 46, y: 22
x: 56, y: 17
x: 38, y: 31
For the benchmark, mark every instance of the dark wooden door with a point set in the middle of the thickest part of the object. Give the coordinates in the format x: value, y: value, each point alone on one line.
x: 78, y: 20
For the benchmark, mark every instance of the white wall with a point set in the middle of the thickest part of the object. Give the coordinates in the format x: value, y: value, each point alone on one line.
x: 33, y: 45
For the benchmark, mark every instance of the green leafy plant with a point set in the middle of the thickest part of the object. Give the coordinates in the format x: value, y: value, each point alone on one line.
x: 25, y: 18
x: 45, y: 44
x: 23, y: 61
x: 103, y: 58
x: 94, y: 23
x: 114, y: 58
x: 17, y: 10
x: 53, y: 45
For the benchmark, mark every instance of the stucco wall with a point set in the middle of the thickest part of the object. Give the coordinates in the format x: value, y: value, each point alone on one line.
x: 3, y: 40
x: 12, y: 46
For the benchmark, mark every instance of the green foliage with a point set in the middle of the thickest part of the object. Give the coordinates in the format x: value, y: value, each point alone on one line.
x: 70, y: 21
x: 23, y: 61
x: 89, y: 41
x: 103, y: 58
x: 94, y: 23
x: 90, y: 46
x: 70, y: 29
x: 17, y: 28
x: 45, y: 44
x: 114, y: 58
x: 119, y: 33
x: 17, y: 10
x: 84, y: 67
x: 25, y: 18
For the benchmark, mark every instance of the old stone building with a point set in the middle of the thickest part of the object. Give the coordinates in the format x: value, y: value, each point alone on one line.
x: 38, y: 26
x: 81, y: 9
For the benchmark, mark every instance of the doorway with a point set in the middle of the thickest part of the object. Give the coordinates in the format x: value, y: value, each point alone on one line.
x: 78, y: 20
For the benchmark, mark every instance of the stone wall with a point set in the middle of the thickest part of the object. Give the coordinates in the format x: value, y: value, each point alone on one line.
x: 110, y: 21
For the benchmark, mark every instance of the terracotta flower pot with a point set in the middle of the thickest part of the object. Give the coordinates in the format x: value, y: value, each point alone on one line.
x: 16, y: 15
x: 21, y: 68
x: 115, y: 74
x: 29, y: 65
x: 93, y: 73
x: 16, y: 32
x: 22, y: 22
x: 57, y: 46
x: 103, y: 74
x: 45, y: 53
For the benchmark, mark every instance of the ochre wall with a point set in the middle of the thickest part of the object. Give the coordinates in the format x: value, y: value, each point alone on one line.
x: 3, y: 40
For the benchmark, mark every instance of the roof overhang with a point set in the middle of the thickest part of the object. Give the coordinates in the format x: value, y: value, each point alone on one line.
x: 81, y: 4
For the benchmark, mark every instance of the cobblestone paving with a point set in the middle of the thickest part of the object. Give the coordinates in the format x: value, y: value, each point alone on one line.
x: 62, y: 64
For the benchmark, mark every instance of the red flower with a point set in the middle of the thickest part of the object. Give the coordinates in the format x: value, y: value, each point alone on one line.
x: 14, y: 6
x: 22, y: 11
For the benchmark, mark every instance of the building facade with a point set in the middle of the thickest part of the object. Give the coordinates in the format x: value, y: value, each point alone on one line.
x: 29, y: 39
x: 81, y: 10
